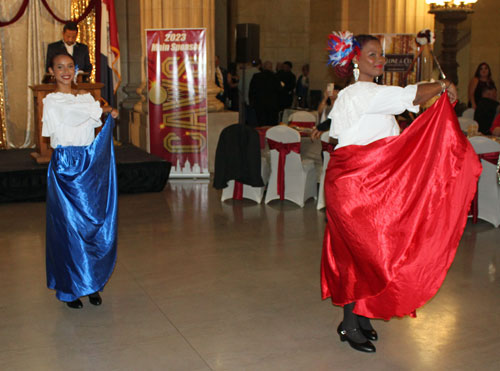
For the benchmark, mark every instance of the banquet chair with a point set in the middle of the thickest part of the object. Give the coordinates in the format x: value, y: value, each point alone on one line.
x: 488, y: 189
x: 327, y: 149
x: 468, y: 113
x: 468, y: 124
x: 303, y: 119
x: 246, y: 191
x: 295, y: 179
x: 240, y: 171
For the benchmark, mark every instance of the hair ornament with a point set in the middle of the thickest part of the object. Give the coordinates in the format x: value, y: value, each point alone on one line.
x: 425, y: 37
x: 77, y: 72
x: 342, y: 47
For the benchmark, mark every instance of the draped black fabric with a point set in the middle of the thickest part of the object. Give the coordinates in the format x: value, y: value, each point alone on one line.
x: 485, y: 113
x: 238, y: 157
x: 22, y: 179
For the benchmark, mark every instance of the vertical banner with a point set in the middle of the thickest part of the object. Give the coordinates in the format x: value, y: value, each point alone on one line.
x: 177, y: 94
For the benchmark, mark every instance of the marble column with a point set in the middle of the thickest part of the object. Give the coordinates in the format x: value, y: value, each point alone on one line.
x: 129, y: 32
x: 448, y: 58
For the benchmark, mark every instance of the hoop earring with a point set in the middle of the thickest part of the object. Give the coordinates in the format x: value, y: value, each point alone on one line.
x: 355, y: 72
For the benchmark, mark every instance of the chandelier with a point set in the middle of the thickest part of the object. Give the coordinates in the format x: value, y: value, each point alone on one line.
x: 438, y: 6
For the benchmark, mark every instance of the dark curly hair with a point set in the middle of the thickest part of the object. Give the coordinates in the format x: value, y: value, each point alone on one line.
x: 346, y: 71
x: 51, y: 63
x: 478, y: 69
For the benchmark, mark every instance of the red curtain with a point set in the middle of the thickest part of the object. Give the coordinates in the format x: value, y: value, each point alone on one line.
x: 87, y: 11
x: 19, y: 14
x: 24, y: 5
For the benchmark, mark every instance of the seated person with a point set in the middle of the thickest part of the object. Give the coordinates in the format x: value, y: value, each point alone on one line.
x: 324, y: 108
x: 486, y: 109
x: 68, y: 44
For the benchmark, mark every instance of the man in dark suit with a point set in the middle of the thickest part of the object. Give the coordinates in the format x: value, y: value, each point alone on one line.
x: 264, y: 94
x: 68, y: 44
x: 288, y: 82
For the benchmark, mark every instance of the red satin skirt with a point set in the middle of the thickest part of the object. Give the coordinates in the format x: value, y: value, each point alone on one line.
x: 396, y: 211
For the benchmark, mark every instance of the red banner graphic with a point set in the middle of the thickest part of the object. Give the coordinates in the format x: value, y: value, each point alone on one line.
x: 178, y: 99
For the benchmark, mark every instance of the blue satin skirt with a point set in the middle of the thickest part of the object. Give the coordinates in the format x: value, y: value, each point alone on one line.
x: 82, y: 205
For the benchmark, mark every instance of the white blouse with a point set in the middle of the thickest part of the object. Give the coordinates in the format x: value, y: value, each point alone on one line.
x: 70, y: 120
x: 363, y: 112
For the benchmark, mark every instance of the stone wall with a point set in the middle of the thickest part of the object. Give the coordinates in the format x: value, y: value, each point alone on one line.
x: 284, y: 29
x: 485, y: 38
x: 326, y: 16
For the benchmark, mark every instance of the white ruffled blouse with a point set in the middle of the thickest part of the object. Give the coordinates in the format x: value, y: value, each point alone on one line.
x: 70, y: 120
x: 364, y: 112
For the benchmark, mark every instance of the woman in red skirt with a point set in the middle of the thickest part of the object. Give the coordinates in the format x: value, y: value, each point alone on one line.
x: 396, y: 204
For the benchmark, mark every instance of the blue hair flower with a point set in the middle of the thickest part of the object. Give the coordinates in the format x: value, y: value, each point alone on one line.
x: 342, y: 47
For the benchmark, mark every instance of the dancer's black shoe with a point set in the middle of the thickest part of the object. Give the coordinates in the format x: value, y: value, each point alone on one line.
x: 367, y: 329
x: 75, y: 304
x: 370, y: 334
x: 95, y: 299
x: 355, y: 339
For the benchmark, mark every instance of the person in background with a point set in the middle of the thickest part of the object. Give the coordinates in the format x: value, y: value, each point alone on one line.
x: 264, y: 95
x: 232, y: 87
x: 303, y: 87
x: 244, y: 87
x: 288, y: 82
x: 279, y: 67
x: 324, y: 108
x: 486, y: 109
x: 82, y: 191
x: 220, y: 80
x: 68, y: 44
x: 482, y: 78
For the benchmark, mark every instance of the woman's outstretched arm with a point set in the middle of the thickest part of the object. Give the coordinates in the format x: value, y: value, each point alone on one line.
x: 428, y: 90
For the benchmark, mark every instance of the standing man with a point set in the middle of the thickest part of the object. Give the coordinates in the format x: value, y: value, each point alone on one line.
x: 244, y: 88
x: 220, y: 80
x: 288, y: 81
x: 302, y: 89
x: 264, y: 95
x: 68, y: 44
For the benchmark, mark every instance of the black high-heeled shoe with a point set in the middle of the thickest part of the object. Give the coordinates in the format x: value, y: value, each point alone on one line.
x: 368, y: 331
x: 367, y: 346
x: 75, y: 304
x: 370, y: 334
x: 95, y: 299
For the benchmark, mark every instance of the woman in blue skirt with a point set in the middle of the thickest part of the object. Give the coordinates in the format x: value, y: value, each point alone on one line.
x: 82, y: 192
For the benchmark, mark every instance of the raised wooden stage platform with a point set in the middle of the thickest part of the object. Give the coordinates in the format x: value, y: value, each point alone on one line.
x: 22, y: 179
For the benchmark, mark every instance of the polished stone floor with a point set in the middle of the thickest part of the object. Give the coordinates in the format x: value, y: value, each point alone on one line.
x: 201, y: 285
